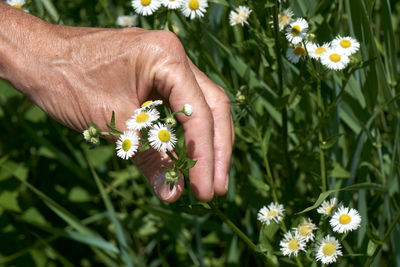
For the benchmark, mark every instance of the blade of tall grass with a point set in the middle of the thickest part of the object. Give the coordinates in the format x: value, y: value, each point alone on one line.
x: 113, y: 218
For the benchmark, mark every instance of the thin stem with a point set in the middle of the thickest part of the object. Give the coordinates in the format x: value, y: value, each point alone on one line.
x: 320, y: 140
x: 285, y: 138
x: 385, y: 237
x: 233, y: 227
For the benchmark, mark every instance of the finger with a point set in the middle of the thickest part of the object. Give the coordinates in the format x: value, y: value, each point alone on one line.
x: 150, y: 162
x: 176, y: 82
x: 219, y: 103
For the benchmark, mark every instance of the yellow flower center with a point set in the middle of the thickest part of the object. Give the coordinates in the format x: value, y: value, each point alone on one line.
x: 283, y: 19
x: 145, y: 2
x: 193, y: 4
x: 164, y: 135
x: 345, y: 43
x: 296, y: 30
x: 142, y: 117
x: 17, y: 6
x: 298, y: 51
x: 126, y: 145
x: 304, y: 230
x: 328, y: 249
x: 344, y: 219
x: 293, y: 244
x: 272, y: 213
x: 320, y: 50
x: 329, y: 209
x: 334, y: 57
x: 146, y: 103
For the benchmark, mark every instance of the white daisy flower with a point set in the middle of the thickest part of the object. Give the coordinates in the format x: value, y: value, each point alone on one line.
x: 327, y: 207
x: 162, y: 138
x: 193, y: 8
x: 292, y: 244
x: 239, y: 16
x: 127, y: 145
x: 127, y: 21
x: 334, y: 59
x: 316, y: 51
x: 142, y: 119
x: 145, y: 7
x: 346, y: 45
x: 171, y: 4
x: 305, y: 230
x: 345, y: 219
x: 294, y: 54
x: 297, y: 30
x: 187, y: 110
x: 284, y: 18
x: 150, y: 104
x: 328, y: 249
x: 16, y: 3
x: 274, y: 212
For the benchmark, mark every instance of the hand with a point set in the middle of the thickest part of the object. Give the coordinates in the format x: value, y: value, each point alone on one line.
x: 78, y: 75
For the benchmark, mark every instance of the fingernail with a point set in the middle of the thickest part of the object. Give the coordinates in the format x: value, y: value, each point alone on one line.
x: 226, y: 182
x: 163, y: 191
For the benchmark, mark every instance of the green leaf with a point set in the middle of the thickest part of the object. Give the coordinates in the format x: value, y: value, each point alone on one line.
x: 325, y: 194
x: 330, y: 141
x: 221, y: 2
x: 195, y: 209
x: 9, y: 201
x: 112, y: 122
x: 338, y: 171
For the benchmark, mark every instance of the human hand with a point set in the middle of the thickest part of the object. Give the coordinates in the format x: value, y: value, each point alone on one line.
x: 78, y: 75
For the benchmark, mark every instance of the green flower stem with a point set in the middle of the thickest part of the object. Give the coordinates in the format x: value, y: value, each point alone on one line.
x: 385, y: 237
x: 233, y: 227
x: 285, y: 137
x: 321, y: 114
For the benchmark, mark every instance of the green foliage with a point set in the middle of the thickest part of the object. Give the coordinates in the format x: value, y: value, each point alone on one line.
x: 65, y: 203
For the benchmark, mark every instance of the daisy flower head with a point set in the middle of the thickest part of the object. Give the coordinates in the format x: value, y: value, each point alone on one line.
x: 327, y: 207
x: 127, y: 21
x: 291, y: 244
x: 127, y: 145
x: 345, y: 219
x: 162, y: 138
x: 150, y: 104
x: 273, y: 212
x: 346, y: 45
x: 142, y: 119
x: 316, y: 51
x: 328, y: 249
x: 239, y: 16
x: 334, y: 59
x: 294, y: 54
x: 16, y: 3
x: 305, y: 230
x: 171, y: 4
x: 145, y: 7
x: 297, y: 30
x: 193, y: 8
x: 285, y: 18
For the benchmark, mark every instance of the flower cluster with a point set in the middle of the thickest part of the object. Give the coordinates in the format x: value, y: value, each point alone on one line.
x: 189, y: 8
x: 145, y: 129
x: 333, y: 55
x: 327, y: 249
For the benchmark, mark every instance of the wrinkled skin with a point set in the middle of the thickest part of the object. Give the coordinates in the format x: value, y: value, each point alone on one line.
x: 78, y: 75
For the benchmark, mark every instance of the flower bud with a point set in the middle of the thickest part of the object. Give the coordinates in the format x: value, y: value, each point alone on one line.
x: 93, y: 131
x: 170, y: 121
x: 171, y: 177
x: 94, y: 140
x: 187, y: 110
x: 86, y: 135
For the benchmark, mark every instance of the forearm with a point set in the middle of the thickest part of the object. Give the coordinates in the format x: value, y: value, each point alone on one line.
x: 22, y: 40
